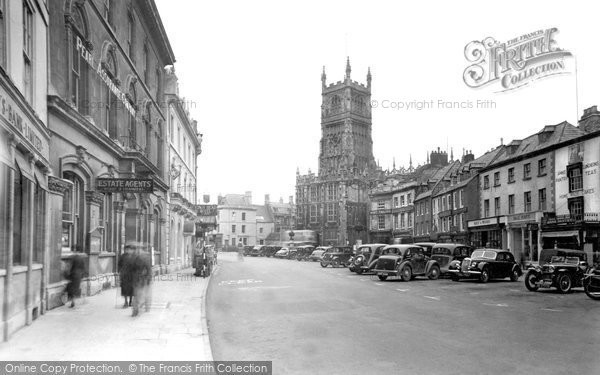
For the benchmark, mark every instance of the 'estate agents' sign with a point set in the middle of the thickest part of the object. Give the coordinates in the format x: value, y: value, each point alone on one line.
x: 125, y: 185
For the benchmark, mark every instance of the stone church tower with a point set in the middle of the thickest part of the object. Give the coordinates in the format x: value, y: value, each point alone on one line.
x: 346, y: 143
x: 334, y: 202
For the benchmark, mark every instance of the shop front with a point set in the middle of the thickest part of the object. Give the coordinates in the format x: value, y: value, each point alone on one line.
x: 487, y: 233
x: 524, y: 238
x: 580, y: 232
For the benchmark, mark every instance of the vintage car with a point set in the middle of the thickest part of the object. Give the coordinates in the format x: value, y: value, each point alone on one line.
x: 269, y: 251
x: 304, y: 252
x: 292, y: 252
x: 591, y: 283
x: 337, y: 256
x: 248, y: 249
x: 282, y: 253
x: 317, y: 254
x: 445, y: 253
x: 366, y: 258
x: 258, y: 251
x: 486, y: 264
x: 406, y: 261
x: 565, y: 269
x: 427, y: 246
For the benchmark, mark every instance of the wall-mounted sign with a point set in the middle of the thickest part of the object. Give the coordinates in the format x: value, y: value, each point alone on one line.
x: 207, y: 210
x: 482, y: 222
x: 125, y: 185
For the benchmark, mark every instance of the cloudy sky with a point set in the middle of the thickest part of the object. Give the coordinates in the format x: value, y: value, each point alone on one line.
x: 252, y: 71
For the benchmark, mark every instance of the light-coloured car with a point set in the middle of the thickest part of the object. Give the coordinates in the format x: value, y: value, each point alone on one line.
x: 317, y: 254
x: 282, y: 253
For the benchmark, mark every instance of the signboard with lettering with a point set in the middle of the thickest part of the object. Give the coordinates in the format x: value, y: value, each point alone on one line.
x: 125, y: 185
x: 482, y: 222
x: 529, y: 216
x: 207, y: 210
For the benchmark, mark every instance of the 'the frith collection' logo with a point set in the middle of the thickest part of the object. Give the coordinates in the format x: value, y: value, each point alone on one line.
x: 514, y: 63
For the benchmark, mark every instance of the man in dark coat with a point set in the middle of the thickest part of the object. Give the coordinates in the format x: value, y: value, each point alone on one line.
x: 126, y: 274
x: 74, y: 276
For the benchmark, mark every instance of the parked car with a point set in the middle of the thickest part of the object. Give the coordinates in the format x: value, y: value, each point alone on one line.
x: 427, y: 246
x: 486, y: 264
x: 317, y: 254
x: 337, y: 256
x: 304, y: 252
x: 282, y: 253
x: 366, y: 258
x: 565, y: 269
x: 258, y: 251
x: 271, y: 250
x: 247, y: 249
x: 292, y: 252
x: 406, y: 261
x: 445, y: 253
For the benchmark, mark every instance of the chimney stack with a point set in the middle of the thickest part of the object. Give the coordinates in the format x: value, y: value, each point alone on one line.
x: 590, y: 121
x: 267, y: 199
x: 248, y: 196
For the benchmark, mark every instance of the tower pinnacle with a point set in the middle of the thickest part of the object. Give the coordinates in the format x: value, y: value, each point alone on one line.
x: 348, y: 69
x: 323, y: 78
x: 369, y: 77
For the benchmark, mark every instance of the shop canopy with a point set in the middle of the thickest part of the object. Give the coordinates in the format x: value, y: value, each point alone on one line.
x: 564, y: 233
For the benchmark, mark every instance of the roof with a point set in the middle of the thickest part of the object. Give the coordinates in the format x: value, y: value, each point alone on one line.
x: 555, y: 134
x: 264, y: 212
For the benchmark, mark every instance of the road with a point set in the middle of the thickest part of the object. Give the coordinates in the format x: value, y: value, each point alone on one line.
x: 313, y: 320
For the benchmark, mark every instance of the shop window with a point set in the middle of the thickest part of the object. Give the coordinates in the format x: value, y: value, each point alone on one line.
x: 511, y: 175
x: 18, y: 217
x: 575, y: 177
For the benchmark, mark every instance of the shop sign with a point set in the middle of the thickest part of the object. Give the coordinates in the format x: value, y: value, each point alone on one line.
x: 207, y: 210
x: 529, y: 216
x: 11, y: 113
x: 125, y: 185
x: 482, y: 222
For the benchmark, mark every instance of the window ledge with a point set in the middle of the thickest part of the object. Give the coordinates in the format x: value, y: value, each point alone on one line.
x: 511, y: 182
x: 526, y: 178
x: 542, y: 174
x: 106, y: 254
x: 19, y: 269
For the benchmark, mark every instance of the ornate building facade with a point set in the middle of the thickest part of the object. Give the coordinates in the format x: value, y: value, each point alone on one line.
x: 334, y: 202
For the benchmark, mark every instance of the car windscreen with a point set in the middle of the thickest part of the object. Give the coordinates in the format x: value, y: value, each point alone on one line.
x: 364, y: 250
x: 484, y: 254
x: 440, y: 251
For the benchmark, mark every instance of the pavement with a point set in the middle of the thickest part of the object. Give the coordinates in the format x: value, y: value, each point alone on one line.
x: 309, y: 319
x: 99, y: 328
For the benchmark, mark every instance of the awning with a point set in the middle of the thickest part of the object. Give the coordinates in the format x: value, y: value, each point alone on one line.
x: 24, y: 166
x: 563, y: 233
x: 41, y: 179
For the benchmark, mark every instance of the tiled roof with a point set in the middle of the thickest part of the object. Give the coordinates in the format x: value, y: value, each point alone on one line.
x: 234, y: 200
x: 264, y: 213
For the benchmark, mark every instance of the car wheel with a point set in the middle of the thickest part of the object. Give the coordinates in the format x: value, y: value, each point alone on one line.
x: 514, y: 276
x: 434, y: 273
x: 564, y: 283
x: 334, y: 264
x: 485, y: 275
x: 530, y: 280
x: 382, y: 277
x: 406, y: 273
x: 323, y: 264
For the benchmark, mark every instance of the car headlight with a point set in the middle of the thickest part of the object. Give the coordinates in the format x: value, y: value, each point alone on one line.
x: 358, y: 261
x: 551, y: 269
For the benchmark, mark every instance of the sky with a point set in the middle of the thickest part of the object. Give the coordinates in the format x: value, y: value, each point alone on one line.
x: 251, y: 71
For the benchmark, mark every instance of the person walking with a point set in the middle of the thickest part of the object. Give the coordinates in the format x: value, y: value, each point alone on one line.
x: 142, y: 273
x: 74, y: 276
x: 126, y: 275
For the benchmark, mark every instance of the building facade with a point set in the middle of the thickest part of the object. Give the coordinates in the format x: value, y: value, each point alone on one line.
x: 334, y: 202
x: 24, y: 163
x: 516, y: 192
x: 237, y: 223
x: 184, y: 148
x: 106, y: 120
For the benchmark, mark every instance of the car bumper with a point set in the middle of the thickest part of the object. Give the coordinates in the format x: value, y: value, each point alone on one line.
x: 467, y: 274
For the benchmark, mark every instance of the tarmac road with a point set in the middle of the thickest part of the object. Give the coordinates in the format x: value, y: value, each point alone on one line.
x: 313, y: 320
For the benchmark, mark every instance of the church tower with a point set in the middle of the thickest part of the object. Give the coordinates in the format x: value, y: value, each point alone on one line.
x: 346, y: 143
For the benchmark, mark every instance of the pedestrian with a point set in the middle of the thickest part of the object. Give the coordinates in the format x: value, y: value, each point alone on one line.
x: 142, y: 278
x: 126, y: 275
x: 74, y: 276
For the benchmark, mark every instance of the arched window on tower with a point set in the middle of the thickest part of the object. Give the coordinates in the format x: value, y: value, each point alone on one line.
x: 79, y: 66
x: 110, y: 99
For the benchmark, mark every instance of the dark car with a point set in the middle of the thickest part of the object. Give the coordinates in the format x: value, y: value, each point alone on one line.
x: 337, y: 256
x: 406, y: 261
x: 486, y: 264
x: 445, y: 253
x: 427, y: 246
x: 562, y: 269
x: 258, y: 251
x: 248, y: 249
x: 304, y: 252
x: 366, y: 258
x: 269, y: 251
